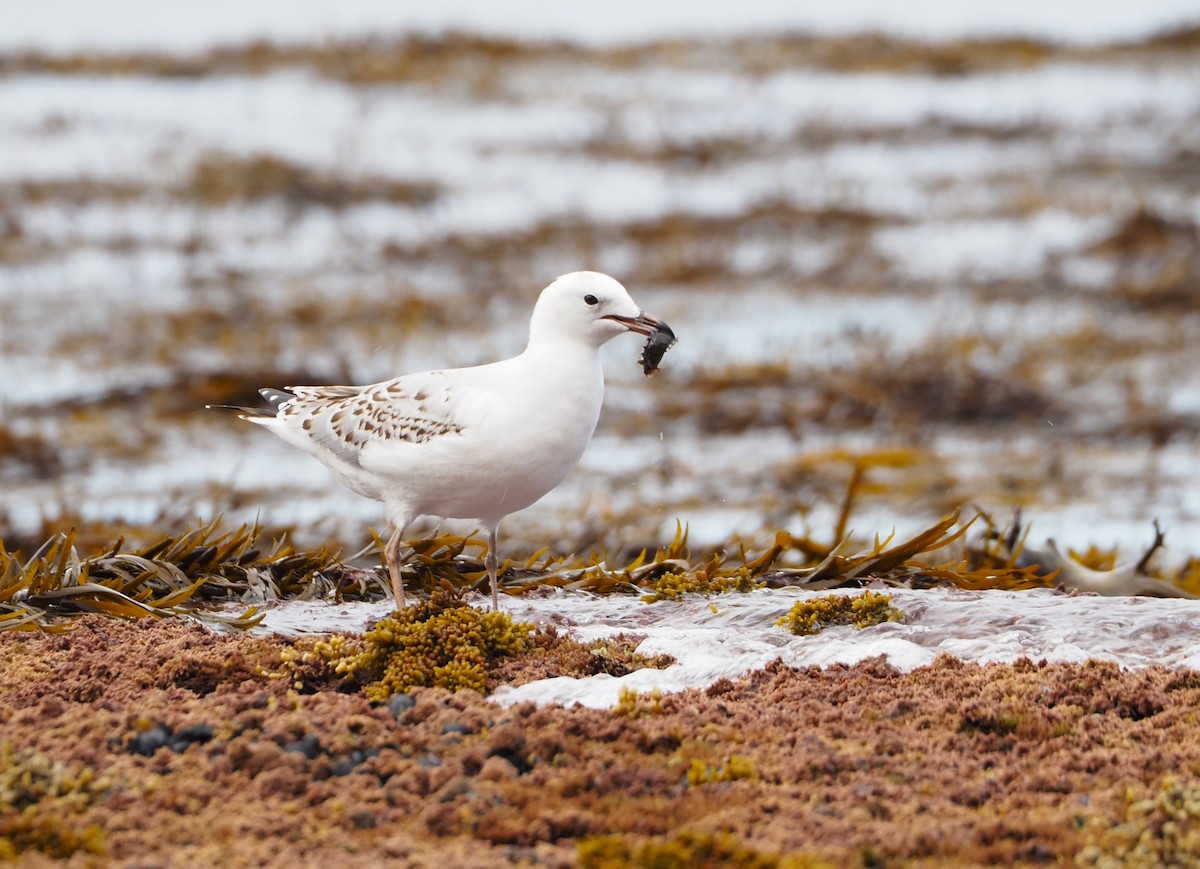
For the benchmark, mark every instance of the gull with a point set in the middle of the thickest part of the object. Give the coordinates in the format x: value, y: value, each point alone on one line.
x: 471, y: 443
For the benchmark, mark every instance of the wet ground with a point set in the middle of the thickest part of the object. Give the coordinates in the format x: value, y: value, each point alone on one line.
x: 969, y: 263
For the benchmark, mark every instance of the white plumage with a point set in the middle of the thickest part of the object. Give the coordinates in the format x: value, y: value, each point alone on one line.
x: 470, y: 443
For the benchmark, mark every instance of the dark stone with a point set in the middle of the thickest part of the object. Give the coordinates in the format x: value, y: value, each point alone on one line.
x: 309, y: 746
x: 149, y: 741
x: 456, y: 727
x: 400, y: 703
x: 196, y: 733
x: 520, y: 763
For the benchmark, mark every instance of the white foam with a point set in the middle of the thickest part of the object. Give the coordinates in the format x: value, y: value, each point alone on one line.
x: 731, y: 635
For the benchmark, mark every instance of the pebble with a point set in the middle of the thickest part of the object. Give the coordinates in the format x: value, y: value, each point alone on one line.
x: 400, y: 703
x: 149, y: 741
x: 309, y: 746
x: 195, y: 733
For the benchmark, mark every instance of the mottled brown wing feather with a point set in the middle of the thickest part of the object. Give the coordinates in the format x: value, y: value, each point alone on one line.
x: 344, y: 419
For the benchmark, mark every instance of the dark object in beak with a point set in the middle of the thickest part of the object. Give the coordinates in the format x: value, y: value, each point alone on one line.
x: 661, y: 340
x: 660, y: 334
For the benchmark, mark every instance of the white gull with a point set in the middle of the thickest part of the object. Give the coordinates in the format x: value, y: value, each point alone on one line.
x: 471, y: 443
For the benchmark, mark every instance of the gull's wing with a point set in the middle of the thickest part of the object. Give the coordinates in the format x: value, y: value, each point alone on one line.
x: 345, y: 420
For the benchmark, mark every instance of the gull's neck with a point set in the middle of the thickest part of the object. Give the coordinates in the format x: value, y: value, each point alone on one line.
x: 573, y: 365
x: 542, y: 341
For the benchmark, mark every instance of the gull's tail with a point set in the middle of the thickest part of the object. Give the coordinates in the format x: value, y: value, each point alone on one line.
x: 275, y: 398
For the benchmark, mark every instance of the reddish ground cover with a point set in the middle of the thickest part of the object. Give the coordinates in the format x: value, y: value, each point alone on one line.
x: 162, y: 743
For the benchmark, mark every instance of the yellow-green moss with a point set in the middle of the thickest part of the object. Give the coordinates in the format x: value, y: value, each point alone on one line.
x: 56, y: 836
x: 860, y: 610
x: 1163, y: 830
x: 670, y: 586
x: 631, y: 704
x: 38, y: 798
x: 442, y: 642
x: 27, y: 777
x: 618, y: 655
x: 686, y: 849
x: 736, y: 768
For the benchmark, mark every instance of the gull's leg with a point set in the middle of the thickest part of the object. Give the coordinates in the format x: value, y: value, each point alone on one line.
x: 391, y: 555
x: 490, y: 564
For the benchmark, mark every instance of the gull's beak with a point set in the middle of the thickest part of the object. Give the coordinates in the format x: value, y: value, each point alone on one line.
x: 643, y: 324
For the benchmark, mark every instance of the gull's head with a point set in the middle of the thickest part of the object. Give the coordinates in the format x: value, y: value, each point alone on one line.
x: 588, y: 307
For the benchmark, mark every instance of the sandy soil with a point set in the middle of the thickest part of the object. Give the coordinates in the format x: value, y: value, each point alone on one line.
x: 864, y: 765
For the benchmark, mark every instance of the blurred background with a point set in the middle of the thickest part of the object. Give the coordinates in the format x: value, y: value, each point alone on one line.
x: 954, y: 245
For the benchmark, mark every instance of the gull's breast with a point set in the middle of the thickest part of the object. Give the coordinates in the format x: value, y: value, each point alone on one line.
x: 523, y: 428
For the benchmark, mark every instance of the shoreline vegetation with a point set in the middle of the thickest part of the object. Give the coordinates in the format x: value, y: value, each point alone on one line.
x: 160, y: 741
x: 462, y: 58
x: 131, y: 732
x: 178, y: 574
x: 980, y: 261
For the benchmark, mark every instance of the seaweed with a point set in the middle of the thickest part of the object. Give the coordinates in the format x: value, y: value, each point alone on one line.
x: 636, y: 704
x: 466, y: 58
x: 39, y: 799
x: 29, y: 455
x: 189, y: 572
x: 166, y: 578
x: 442, y: 642
x: 552, y: 654
x: 221, y: 179
x: 860, y: 610
x: 672, y: 585
x: 737, y: 768
x: 683, y: 849
x: 1162, y: 829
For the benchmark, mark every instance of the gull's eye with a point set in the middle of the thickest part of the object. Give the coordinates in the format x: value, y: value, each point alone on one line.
x: 591, y: 300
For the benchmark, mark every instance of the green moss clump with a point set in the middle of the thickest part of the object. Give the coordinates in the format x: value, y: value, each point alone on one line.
x: 618, y: 656
x: 670, y: 586
x: 442, y: 642
x: 54, y: 835
x: 737, y: 768
x: 686, y: 849
x: 860, y: 610
x: 1163, y: 830
x: 27, y: 778
x: 38, y: 798
x: 631, y: 704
